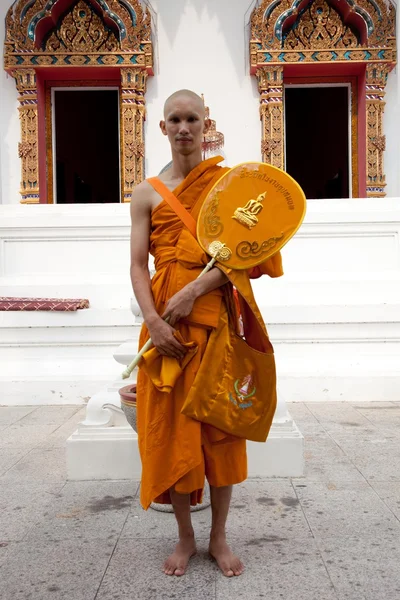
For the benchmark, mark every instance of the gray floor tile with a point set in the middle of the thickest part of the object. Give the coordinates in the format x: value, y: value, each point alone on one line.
x: 300, y: 412
x: 364, y: 567
x: 20, y: 435
x: 326, y: 461
x: 266, y: 508
x: 51, y: 414
x: 278, y: 571
x: 377, y: 405
x: 57, y: 571
x: 305, y: 420
x: 58, y: 438
x: 39, y: 465
x: 36, y: 426
x: 135, y: 571
x: 54, y: 534
x: 86, y: 510
x: 376, y: 458
x: 5, y: 549
x: 389, y: 492
x: 339, y: 417
x: 373, y: 435
x: 22, y: 505
x: 311, y: 431
x: 12, y: 414
x: 344, y: 509
x: 382, y: 416
x: 9, y: 457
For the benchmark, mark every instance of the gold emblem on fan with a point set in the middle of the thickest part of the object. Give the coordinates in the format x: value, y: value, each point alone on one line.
x: 247, y: 215
x: 219, y: 251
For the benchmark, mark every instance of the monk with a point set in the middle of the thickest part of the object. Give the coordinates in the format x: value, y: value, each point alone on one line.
x: 180, y: 312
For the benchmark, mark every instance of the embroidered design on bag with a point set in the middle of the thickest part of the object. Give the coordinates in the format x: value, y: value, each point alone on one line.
x: 243, y: 393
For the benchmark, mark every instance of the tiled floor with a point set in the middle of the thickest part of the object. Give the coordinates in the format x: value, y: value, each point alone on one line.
x: 332, y: 535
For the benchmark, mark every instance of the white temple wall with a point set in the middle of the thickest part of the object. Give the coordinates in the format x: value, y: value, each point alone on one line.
x: 204, y: 48
x: 334, y: 318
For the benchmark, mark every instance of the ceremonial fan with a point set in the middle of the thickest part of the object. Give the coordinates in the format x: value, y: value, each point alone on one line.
x: 250, y: 213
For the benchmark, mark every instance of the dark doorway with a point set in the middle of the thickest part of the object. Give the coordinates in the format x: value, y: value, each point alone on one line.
x: 317, y: 140
x: 87, y: 146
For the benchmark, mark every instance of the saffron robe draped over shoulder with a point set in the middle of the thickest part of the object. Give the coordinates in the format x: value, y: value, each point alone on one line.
x: 170, y: 443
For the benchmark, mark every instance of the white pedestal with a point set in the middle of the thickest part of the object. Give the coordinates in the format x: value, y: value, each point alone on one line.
x: 105, y: 447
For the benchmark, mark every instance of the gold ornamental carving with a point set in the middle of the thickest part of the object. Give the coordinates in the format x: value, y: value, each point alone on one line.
x: 376, y: 77
x: 82, y: 30
x: 24, y: 148
x: 320, y: 27
x: 380, y: 142
x: 137, y: 148
x: 270, y: 85
x: 28, y: 146
x: 133, y: 88
x: 219, y: 251
x: 212, y: 222
x: 87, y: 33
x: 246, y: 250
x: 286, y: 32
x: 84, y: 33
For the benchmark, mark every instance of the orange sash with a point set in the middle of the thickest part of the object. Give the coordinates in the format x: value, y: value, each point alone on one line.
x: 174, y: 203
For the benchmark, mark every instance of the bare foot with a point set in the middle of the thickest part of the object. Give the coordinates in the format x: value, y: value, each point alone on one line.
x: 176, y: 563
x: 229, y: 564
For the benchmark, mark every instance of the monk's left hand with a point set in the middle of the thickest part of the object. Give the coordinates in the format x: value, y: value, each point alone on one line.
x: 180, y: 305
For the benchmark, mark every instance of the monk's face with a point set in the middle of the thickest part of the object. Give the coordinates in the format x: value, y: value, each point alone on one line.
x: 185, y: 124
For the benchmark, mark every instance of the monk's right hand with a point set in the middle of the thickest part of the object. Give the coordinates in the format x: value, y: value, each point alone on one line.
x: 162, y: 336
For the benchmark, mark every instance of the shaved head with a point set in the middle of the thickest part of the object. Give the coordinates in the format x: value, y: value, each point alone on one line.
x: 185, y: 123
x: 184, y: 94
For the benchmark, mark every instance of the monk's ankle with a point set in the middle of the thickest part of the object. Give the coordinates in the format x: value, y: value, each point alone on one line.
x: 186, y: 535
x: 217, y: 535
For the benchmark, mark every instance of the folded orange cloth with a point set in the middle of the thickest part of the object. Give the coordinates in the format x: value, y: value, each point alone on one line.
x: 164, y: 371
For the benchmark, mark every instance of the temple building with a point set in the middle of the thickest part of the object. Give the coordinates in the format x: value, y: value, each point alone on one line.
x: 310, y: 86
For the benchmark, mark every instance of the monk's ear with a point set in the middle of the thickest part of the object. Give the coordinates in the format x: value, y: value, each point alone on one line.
x: 207, y: 125
x: 163, y: 128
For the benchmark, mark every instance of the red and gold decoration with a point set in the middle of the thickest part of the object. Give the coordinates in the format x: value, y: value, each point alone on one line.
x: 49, y: 34
x: 28, y: 150
x: 213, y: 140
x: 133, y: 89
x: 287, y: 32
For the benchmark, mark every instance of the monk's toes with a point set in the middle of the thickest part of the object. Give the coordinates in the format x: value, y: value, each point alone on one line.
x: 169, y: 571
x: 238, y: 569
x: 228, y: 572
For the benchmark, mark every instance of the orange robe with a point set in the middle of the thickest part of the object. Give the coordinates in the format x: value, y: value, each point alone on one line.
x: 176, y: 450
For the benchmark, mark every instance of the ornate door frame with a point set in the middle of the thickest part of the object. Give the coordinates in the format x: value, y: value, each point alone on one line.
x: 89, y: 39
x: 335, y: 36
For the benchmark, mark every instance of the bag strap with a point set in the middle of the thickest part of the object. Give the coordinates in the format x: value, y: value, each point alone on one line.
x: 175, y: 204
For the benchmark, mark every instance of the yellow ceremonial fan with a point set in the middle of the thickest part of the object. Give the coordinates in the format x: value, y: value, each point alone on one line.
x: 249, y: 214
